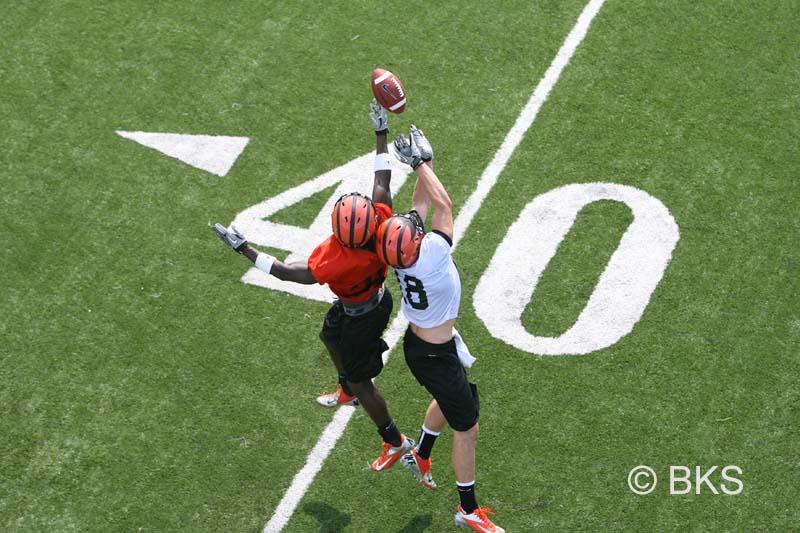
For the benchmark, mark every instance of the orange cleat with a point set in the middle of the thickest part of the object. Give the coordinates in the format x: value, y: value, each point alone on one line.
x: 391, y: 454
x: 420, y: 468
x: 335, y: 399
x: 477, y: 520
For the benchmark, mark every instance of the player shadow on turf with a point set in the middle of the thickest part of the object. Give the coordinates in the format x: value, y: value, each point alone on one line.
x: 331, y: 520
x: 418, y: 523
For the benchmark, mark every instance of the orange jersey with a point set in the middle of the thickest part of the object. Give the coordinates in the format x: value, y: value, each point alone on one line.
x: 353, y: 274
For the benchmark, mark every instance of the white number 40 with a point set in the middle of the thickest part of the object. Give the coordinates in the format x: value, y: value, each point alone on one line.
x: 508, y: 284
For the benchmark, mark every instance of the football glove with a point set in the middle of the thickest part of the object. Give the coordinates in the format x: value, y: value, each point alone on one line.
x: 231, y: 237
x: 418, y: 138
x: 377, y: 114
x: 413, y: 150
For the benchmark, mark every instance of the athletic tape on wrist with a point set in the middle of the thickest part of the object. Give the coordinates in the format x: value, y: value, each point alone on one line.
x: 383, y: 162
x: 264, y: 262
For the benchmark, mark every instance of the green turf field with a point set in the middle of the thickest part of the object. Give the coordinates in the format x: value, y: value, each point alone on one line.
x: 145, y: 388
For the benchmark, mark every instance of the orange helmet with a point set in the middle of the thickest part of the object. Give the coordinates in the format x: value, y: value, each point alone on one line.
x: 354, y: 220
x: 399, y: 239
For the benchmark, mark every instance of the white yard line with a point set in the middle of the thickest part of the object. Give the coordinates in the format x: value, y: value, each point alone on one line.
x: 303, y: 479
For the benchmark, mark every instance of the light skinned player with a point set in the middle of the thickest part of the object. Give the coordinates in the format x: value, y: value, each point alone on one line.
x: 434, y: 351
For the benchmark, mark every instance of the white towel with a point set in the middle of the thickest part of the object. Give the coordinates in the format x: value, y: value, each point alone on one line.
x: 463, y: 352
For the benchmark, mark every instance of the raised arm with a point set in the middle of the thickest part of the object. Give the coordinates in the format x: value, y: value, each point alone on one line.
x: 383, y: 162
x: 295, y: 272
x: 416, y: 151
x: 442, y: 219
x: 420, y: 200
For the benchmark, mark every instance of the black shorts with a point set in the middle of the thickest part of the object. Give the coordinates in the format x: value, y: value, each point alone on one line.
x: 437, y: 368
x: 358, y: 339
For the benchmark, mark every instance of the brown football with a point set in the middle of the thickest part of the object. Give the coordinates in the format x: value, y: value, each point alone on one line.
x: 388, y: 90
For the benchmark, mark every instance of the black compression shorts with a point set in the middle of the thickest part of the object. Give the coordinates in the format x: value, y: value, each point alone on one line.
x: 358, y: 339
x: 437, y: 368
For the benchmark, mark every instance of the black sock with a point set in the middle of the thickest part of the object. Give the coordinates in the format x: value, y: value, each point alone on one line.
x: 343, y: 383
x: 427, y: 438
x: 467, y: 495
x: 390, y: 433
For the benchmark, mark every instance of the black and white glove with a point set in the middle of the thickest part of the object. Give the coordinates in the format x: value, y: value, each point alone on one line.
x: 425, y: 148
x: 231, y: 237
x: 414, y: 149
x: 380, y: 121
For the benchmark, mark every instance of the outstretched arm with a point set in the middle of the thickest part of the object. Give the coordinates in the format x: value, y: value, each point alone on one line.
x: 416, y: 151
x: 442, y: 219
x: 420, y: 201
x: 383, y: 168
x: 296, y: 272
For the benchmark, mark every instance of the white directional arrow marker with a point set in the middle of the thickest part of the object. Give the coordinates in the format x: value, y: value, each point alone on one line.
x: 212, y: 153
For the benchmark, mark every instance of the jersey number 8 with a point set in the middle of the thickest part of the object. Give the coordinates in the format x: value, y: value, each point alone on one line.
x: 414, y: 287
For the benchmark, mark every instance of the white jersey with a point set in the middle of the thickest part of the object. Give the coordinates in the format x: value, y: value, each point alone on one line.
x: 431, y: 287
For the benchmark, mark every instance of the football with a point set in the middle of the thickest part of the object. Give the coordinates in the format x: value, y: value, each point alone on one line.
x: 388, y: 90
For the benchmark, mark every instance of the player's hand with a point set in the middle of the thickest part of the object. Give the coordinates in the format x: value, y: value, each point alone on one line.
x: 413, y: 150
x: 423, y: 145
x: 231, y: 237
x: 379, y: 118
x: 404, y: 152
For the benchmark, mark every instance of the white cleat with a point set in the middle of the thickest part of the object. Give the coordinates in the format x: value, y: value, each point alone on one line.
x: 335, y: 399
x: 477, y: 520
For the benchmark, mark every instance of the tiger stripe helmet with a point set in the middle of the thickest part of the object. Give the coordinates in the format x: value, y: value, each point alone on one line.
x: 354, y: 220
x: 398, y: 240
